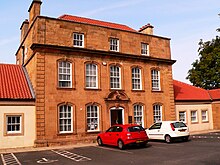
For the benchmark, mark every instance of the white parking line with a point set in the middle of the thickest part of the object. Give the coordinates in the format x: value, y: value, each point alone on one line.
x: 214, y: 133
x: 112, y: 149
x: 70, y: 155
x: 10, y: 158
x: 206, y: 137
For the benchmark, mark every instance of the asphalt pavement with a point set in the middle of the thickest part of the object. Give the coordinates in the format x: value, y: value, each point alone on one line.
x: 206, y: 135
x: 202, y: 148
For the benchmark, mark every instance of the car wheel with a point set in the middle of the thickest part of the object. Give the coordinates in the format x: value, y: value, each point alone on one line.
x: 168, y: 139
x: 120, y: 144
x: 144, y: 144
x: 99, y: 141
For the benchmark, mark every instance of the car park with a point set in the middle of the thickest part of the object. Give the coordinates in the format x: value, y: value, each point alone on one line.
x: 168, y: 131
x: 123, y: 135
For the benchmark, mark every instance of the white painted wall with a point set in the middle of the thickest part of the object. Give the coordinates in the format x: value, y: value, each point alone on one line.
x: 25, y: 140
x: 200, y: 125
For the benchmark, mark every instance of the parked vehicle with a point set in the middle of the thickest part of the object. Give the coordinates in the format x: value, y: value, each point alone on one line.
x: 123, y: 135
x: 168, y: 131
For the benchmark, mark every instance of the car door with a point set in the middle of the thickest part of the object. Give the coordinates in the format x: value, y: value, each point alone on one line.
x: 154, y: 131
x: 116, y: 134
x: 107, y: 137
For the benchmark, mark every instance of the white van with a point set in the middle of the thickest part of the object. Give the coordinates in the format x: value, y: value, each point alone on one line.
x: 168, y: 130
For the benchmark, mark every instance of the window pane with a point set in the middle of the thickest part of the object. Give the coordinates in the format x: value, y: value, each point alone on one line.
x: 92, y: 118
x: 64, y: 74
x: 114, y: 44
x: 144, y: 49
x: 155, y: 78
x: 182, y: 116
x: 115, y: 79
x: 91, y: 76
x: 157, y: 113
x: 136, y: 79
x: 138, y: 114
x: 78, y: 40
x: 65, y: 118
x: 13, y: 124
x: 205, y: 115
x: 194, y: 116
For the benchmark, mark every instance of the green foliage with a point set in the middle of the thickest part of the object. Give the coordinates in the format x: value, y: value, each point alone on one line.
x: 205, y: 72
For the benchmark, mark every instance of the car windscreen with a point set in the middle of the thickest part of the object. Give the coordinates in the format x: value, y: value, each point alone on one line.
x: 135, y: 129
x: 179, y: 125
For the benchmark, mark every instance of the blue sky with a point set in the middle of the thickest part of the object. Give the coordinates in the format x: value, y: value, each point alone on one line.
x: 185, y: 22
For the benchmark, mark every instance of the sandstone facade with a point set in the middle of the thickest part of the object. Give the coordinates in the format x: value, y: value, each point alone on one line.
x: 50, y: 40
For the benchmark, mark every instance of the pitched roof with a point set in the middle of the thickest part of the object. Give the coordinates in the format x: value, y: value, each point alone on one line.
x: 186, y: 92
x: 96, y: 22
x: 13, y: 83
x: 215, y: 94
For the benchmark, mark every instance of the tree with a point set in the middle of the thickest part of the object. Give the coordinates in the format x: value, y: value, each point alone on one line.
x: 205, y: 72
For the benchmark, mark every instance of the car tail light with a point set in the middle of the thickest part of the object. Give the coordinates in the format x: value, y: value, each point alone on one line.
x: 172, y: 127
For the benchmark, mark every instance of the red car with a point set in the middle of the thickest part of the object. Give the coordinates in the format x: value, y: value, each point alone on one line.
x: 122, y: 135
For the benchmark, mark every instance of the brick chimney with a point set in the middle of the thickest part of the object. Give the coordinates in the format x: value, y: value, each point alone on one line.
x: 34, y: 10
x: 24, y: 29
x: 146, y: 29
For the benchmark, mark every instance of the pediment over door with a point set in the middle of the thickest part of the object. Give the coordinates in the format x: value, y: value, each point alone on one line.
x: 117, y: 96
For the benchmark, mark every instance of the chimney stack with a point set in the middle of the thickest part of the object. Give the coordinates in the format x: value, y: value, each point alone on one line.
x: 34, y: 10
x: 146, y: 29
x: 24, y: 29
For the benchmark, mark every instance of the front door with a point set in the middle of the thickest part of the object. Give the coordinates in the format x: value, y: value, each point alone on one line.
x: 116, y: 116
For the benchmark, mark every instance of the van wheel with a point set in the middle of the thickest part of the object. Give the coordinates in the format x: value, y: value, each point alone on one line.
x: 185, y: 139
x: 99, y: 141
x: 168, y: 139
x: 121, y: 145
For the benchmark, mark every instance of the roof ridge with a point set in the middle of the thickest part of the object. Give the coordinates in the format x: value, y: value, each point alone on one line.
x: 190, y: 85
x: 94, y: 21
x: 90, y: 19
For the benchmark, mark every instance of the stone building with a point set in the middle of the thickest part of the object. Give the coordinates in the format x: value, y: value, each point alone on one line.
x: 89, y: 74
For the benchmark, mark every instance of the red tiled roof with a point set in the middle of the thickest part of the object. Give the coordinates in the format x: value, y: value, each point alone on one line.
x: 13, y: 83
x: 215, y: 94
x: 96, y: 22
x: 186, y: 92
